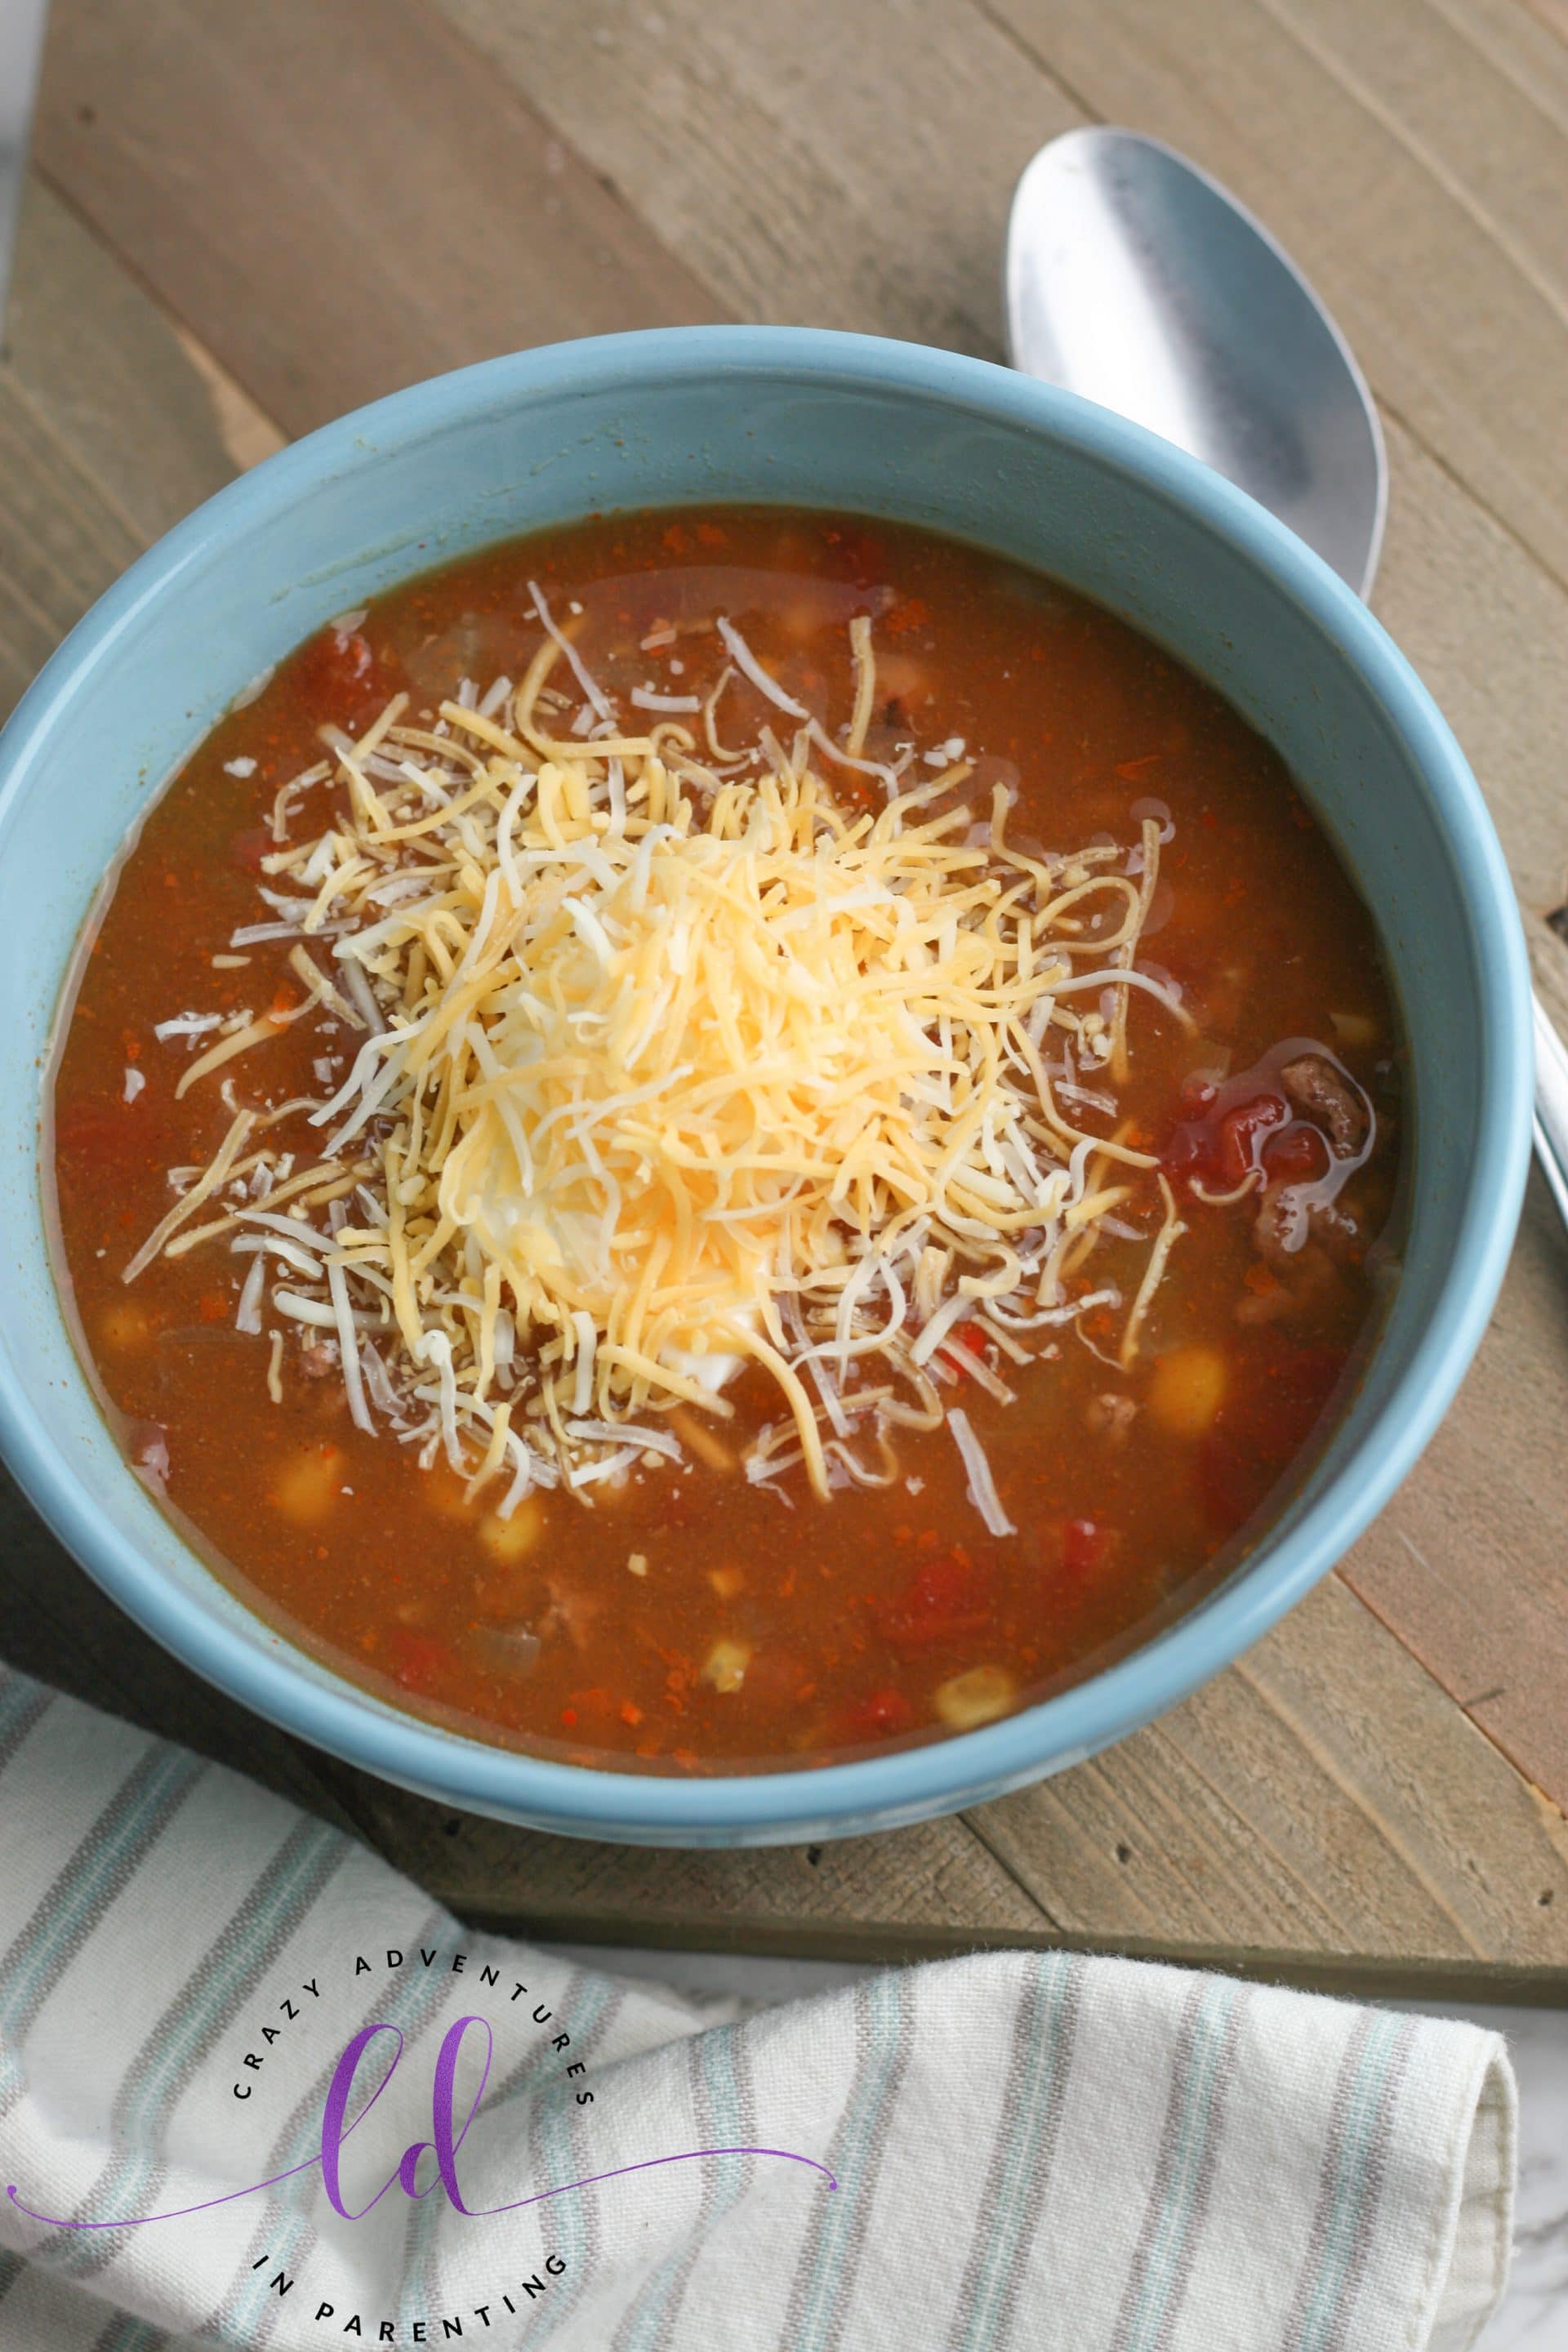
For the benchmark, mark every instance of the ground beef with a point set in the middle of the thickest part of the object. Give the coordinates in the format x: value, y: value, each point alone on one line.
x: 1112, y: 1416
x: 1319, y: 1093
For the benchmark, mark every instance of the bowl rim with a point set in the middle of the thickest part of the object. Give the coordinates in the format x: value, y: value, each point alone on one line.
x: 885, y: 1788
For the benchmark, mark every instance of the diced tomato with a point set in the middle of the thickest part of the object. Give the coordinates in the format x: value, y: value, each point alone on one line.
x: 882, y: 1715
x: 1084, y: 1544
x: 947, y: 1599
x: 970, y: 1336
x: 418, y: 1661
x: 1264, y: 1422
x: 1242, y: 1130
x: 1300, y: 1156
x: 1190, y: 1152
x: 1222, y: 1148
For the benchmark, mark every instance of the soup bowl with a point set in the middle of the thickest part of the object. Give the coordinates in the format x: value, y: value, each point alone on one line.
x: 807, y: 419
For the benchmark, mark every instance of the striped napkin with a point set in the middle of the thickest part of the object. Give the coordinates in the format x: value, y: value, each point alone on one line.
x: 1010, y: 2150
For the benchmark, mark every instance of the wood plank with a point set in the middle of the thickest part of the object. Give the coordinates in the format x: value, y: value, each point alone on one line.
x: 109, y: 433
x: 1328, y: 1792
x: 63, y: 541
x: 1552, y: 14
x: 937, y: 1878
x: 236, y: 158
x: 1515, y: 38
x: 1474, y: 95
x: 1469, y: 1563
x: 1485, y: 625
x: 806, y: 160
x: 156, y: 424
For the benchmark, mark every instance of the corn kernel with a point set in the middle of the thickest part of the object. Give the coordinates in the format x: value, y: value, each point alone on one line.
x: 726, y: 1664
x: 307, y: 1486
x: 125, y: 1326
x: 967, y: 1700
x: 1187, y: 1389
x: 508, y: 1540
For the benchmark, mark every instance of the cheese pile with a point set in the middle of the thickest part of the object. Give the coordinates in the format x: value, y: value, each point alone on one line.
x: 668, y: 1061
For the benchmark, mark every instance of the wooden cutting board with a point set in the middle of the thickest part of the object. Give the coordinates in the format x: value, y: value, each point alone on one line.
x: 1373, y: 1797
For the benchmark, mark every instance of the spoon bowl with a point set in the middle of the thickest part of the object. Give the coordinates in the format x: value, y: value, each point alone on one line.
x: 1133, y: 279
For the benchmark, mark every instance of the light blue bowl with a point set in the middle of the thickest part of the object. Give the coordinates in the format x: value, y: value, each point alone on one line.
x: 786, y: 415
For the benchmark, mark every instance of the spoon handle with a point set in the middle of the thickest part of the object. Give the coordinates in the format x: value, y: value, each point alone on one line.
x: 1551, y: 1106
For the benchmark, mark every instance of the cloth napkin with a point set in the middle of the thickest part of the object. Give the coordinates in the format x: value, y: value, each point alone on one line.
x: 1029, y: 2150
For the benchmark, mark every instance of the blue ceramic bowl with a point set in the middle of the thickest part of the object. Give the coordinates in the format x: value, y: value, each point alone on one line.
x: 785, y: 416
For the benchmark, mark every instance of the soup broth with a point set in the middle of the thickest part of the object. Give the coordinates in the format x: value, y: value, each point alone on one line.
x: 727, y: 1558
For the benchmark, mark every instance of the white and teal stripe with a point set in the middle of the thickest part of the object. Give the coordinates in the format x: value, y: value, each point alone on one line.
x: 1179, y: 2198
x: 823, y: 2282
x: 1018, y: 2176
x: 1353, y: 2173
x: 205, y: 2007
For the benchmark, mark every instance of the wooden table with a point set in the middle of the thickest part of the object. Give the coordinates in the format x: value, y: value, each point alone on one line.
x: 244, y: 219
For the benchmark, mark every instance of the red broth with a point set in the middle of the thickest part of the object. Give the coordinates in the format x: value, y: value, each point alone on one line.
x: 684, y: 1618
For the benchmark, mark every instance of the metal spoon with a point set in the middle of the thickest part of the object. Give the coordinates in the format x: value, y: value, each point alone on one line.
x: 1136, y: 281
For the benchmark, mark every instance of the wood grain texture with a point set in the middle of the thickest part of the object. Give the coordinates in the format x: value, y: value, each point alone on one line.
x: 838, y: 166
x: 1325, y: 1810
x: 1553, y: 14
x: 1476, y: 98
x: 1329, y: 1791
x: 108, y: 434
x: 938, y: 1877
x: 336, y: 201
x: 62, y: 540
x: 1469, y: 1561
x: 150, y: 421
x: 1486, y: 627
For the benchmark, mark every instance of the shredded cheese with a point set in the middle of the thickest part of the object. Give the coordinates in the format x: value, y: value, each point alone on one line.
x: 659, y: 1072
